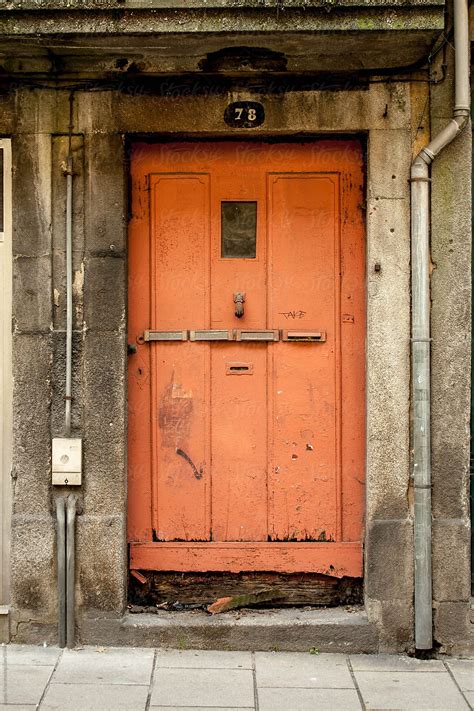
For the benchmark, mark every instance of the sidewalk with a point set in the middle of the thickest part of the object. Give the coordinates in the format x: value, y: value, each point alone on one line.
x: 112, y: 679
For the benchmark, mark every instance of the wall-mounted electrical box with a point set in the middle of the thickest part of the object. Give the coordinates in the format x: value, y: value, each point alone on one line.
x: 67, y: 461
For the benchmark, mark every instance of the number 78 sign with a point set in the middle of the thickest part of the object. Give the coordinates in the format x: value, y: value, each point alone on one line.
x: 244, y: 114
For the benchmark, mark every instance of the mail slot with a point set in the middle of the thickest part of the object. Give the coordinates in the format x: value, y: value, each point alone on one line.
x: 251, y: 335
x: 239, y: 368
x: 165, y: 336
x: 304, y: 336
x: 211, y: 335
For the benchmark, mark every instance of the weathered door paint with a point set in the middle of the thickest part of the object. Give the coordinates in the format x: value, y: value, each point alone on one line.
x: 247, y: 455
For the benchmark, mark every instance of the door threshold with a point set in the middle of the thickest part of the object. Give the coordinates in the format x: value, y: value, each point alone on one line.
x: 344, y: 630
x: 152, y: 591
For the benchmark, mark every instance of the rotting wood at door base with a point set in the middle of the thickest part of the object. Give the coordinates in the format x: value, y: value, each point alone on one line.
x: 180, y: 591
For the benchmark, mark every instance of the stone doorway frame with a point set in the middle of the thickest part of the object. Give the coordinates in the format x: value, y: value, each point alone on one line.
x: 104, y: 122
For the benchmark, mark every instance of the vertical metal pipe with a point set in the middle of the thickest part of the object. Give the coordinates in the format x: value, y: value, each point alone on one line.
x: 70, y: 569
x: 67, y: 425
x: 421, y: 351
x: 61, y: 562
x: 462, y: 89
x: 421, y: 402
x: 69, y: 314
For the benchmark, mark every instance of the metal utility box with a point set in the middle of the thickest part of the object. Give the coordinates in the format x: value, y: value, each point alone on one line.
x: 67, y: 461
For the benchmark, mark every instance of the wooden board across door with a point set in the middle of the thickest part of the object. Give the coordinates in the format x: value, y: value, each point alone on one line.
x: 247, y: 455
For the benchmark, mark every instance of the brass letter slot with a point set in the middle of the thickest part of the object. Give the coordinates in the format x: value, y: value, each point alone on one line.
x: 211, y: 335
x: 304, y: 336
x: 264, y: 335
x: 165, y: 336
x: 248, y: 336
x: 239, y: 368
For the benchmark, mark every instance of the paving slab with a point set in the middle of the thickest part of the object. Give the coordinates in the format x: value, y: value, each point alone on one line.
x: 104, y: 665
x: 470, y: 698
x: 410, y: 691
x: 29, y: 655
x: 95, y: 697
x: 193, y: 659
x: 292, y: 699
x: 463, y: 672
x: 283, y: 669
x: 110, y: 679
x: 20, y: 684
x: 394, y: 662
x: 203, y: 687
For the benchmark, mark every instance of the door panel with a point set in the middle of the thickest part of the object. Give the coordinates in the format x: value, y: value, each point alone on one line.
x: 239, y: 445
x: 180, y: 382
x: 304, y: 296
x: 239, y: 437
x: 247, y: 455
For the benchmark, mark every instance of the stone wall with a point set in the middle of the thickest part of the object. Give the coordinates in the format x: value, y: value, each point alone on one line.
x: 451, y: 385
x: 391, y: 119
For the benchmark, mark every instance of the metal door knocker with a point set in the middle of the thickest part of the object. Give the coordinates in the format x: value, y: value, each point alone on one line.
x: 239, y: 298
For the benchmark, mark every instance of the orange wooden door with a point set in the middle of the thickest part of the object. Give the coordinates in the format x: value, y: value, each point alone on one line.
x: 246, y: 434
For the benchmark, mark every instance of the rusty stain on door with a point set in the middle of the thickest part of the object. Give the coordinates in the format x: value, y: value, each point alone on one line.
x: 245, y: 261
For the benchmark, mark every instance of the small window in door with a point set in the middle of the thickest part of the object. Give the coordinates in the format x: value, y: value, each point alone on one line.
x: 239, y: 230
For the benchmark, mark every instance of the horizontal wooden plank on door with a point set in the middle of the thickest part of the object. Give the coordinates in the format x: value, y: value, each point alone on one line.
x: 336, y: 559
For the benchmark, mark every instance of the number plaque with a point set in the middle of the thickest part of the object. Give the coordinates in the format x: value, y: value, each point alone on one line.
x: 244, y: 114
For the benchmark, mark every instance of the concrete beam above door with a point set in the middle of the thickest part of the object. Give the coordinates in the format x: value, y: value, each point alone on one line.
x: 327, y: 5
x: 148, y: 38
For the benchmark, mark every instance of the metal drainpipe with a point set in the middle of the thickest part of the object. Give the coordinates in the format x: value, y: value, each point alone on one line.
x: 70, y: 568
x: 69, y: 315
x: 421, y: 366
x: 66, y: 507
x: 61, y: 558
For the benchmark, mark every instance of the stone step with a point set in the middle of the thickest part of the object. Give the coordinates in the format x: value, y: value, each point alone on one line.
x: 329, y: 630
